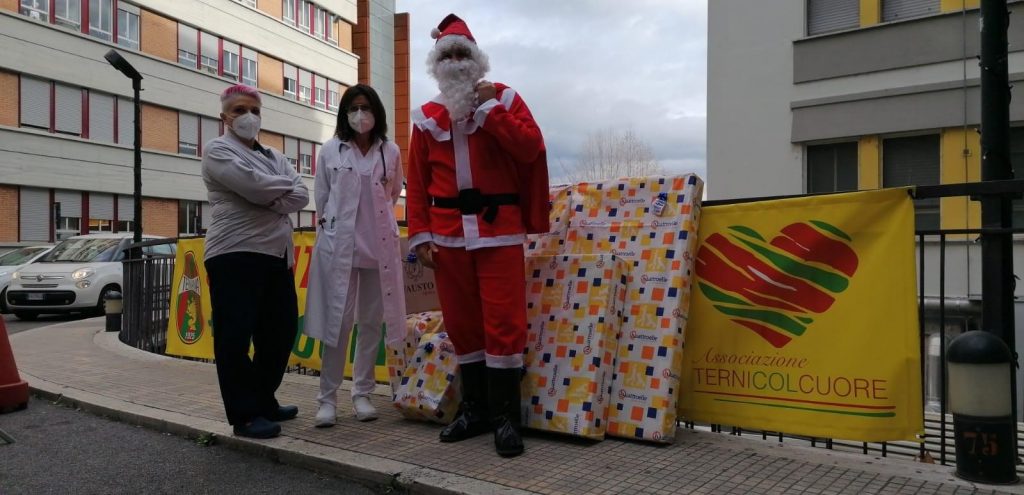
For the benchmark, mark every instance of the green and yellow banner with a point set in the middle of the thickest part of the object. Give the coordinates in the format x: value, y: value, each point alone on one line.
x: 804, y: 318
x: 190, y: 330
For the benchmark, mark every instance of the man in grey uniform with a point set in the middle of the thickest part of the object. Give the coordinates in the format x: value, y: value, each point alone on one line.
x: 252, y: 190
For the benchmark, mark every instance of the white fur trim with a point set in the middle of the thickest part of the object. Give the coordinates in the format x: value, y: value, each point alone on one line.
x: 449, y: 242
x: 473, y: 357
x: 507, y: 97
x: 504, y: 362
x: 418, y: 239
x: 496, y: 241
x: 429, y: 125
x: 483, y: 110
x: 435, y: 33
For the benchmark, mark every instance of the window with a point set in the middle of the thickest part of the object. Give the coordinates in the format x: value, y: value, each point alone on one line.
x: 101, y: 117
x: 67, y: 110
x: 305, y: 14
x: 291, y: 78
x: 188, y: 134
x: 332, y: 95
x: 305, y: 87
x: 125, y: 225
x: 305, y: 158
x: 332, y: 33
x: 321, y: 20
x: 188, y: 46
x: 231, y: 58
x: 125, y: 213
x: 249, y: 67
x: 209, y: 129
x: 320, y: 85
x: 101, y: 19
x: 824, y: 16
x: 70, y: 221
x: 68, y: 13
x: 96, y: 225
x: 68, y: 227
x: 125, y: 122
x: 36, y: 9
x: 914, y: 161
x: 288, y: 11
x: 897, y: 10
x: 1017, y: 162
x: 127, y: 25
x: 188, y: 217
x: 35, y: 103
x: 291, y: 151
x: 210, y: 51
x: 832, y: 167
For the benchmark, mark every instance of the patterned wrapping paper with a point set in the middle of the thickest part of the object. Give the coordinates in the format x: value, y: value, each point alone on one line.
x: 573, y: 315
x: 617, y: 217
x: 398, y: 356
x: 430, y: 386
x: 553, y: 242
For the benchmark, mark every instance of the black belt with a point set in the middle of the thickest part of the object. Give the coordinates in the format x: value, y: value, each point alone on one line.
x: 471, y: 202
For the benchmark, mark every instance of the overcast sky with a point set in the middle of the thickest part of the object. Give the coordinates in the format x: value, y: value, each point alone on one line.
x: 586, y: 65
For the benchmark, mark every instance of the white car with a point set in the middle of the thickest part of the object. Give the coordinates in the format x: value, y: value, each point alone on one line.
x: 75, y: 276
x: 11, y: 262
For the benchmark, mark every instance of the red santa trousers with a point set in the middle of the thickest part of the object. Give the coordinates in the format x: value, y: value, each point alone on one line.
x: 483, y: 300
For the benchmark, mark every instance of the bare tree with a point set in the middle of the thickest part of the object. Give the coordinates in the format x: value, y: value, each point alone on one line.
x: 610, y: 154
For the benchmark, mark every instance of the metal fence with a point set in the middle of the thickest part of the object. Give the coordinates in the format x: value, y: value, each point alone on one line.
x: 147, y: 296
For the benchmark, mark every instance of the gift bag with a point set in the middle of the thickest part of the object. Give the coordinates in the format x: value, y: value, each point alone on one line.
x: 429, y: 389
x: 399, y: 354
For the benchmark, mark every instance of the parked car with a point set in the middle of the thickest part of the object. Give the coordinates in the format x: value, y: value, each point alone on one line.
x: 75, y: 276
x: 12, y: 261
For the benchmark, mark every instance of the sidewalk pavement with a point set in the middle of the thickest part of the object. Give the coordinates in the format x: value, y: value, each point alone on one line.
x: 80, y: 363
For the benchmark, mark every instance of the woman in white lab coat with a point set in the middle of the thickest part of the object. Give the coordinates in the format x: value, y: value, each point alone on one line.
x: 356, y: 271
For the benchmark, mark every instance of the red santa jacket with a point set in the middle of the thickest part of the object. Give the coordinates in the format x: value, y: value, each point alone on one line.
x: 499, y: 150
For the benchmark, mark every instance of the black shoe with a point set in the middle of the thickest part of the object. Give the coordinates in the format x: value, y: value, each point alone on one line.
x: 283, y: 413
x: 470, y: 422
x: 507, y: 440
x: 259, y: 427
x: 472, y: 418
x: 503, y: 402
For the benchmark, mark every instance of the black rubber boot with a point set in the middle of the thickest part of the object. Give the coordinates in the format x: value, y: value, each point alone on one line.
x: 472, y: 418
x: 503, y: 400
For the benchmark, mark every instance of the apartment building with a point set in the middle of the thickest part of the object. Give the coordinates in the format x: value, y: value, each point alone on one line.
x: 66, y: 116
x: 808, y: 96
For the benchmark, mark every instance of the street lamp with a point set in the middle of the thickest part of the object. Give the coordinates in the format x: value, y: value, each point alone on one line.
x: 980, y: 369
x: 126, y: 68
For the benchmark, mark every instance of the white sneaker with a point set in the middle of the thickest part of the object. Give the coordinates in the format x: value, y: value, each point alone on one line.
x: 364, y: 410
x: 326, y: 416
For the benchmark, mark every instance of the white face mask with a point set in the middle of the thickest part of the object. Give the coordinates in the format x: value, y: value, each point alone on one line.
x: 246, y: 126
x: 361, y: 121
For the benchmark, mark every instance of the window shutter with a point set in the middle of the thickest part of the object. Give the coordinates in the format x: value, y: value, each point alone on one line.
x: 914, y: 161
x: 896, y: 10
x: 101, y: 117
x: 35, y: 102
x: 68, y: 116
x: 207, y: 214
x: 125, y: 208
x: 188, y: 128
x: 125, y: 122
x: 210, y: 129
x: 101, y: 206
x: 291, y: 148
x: 70, y: 203
x: 34, y: 214
x: 824, y: 16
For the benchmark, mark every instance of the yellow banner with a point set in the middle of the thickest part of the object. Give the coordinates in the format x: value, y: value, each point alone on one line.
x: 190, y: 330
x: 804, y: 320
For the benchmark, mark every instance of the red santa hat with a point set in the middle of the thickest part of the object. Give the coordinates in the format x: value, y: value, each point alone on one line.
x: 452, y: 25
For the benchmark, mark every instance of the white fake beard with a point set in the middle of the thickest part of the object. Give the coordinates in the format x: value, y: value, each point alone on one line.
x: 457, y: 81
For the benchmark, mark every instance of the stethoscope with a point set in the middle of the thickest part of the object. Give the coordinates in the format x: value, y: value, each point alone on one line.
x: 384, y: 163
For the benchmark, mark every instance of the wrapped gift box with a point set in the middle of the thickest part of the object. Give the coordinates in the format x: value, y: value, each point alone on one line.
x: 573, y: 311
x: 619, y: 217
x: 399, y: 355
x: 553, y: 242
x: 429, y: 387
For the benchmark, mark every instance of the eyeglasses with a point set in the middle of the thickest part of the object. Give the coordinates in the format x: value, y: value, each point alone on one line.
x: 356, y: 108
x: 456, y: 53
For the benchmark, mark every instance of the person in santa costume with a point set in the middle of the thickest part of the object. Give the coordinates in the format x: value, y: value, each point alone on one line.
x: 477, y: 184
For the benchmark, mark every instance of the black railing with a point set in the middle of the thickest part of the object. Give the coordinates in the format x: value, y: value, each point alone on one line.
x: 941, y: 319
x: 147, y: 295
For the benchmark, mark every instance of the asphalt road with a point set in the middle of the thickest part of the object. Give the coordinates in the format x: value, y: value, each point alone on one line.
x: 62, y: 450
x: 14, y: 325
